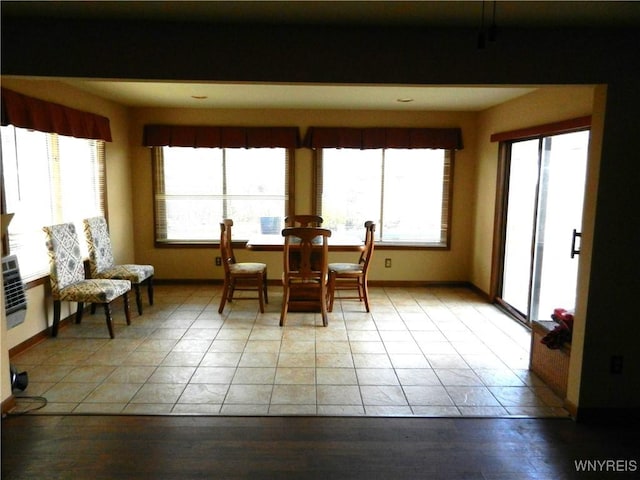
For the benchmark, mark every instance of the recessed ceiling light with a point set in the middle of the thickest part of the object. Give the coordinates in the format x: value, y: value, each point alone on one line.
x: 199, y: 97
x: 405, y: 100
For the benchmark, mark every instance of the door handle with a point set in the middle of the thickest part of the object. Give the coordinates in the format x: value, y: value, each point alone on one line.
x: 576, y: 234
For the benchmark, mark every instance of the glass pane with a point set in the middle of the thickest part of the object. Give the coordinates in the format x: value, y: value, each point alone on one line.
x: 204, y: 185
x: 561, y: 202
x: 351, y: 189
x: 413, y: 191
x: 79, y: 179
x: 192, y: 171
x: 191, y: 207
x: 78, y: 194
x: 521, y: 209
x: 25, y: 162
x: 255, y: 190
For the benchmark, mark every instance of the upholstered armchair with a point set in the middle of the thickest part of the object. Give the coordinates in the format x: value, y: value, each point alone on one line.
x: 102, y: 263
x: 68, y: 282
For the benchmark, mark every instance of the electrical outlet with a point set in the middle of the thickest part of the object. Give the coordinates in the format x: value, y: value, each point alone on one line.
x: 615, y: 365
x: 387, y: 263
x: 218, y: 261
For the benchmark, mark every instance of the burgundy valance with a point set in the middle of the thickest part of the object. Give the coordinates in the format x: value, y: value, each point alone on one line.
x: 390, y: 137
x: 35, y: 114
x: 220, y: 137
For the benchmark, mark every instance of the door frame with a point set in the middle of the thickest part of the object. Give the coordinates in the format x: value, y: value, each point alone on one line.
x: 505, y: 140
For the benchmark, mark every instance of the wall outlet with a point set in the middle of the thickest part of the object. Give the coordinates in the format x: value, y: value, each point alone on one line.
x: 218, y: 261
x: 387, y: 263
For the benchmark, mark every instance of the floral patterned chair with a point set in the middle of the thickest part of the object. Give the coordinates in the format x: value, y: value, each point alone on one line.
x: 68, y: 282
x: 102, y: 263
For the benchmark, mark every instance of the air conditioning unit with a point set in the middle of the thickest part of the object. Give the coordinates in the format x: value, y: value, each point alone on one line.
x: 15, y: 299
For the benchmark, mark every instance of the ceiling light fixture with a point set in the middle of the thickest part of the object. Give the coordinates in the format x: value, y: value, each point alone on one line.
x: 199, y: 97
x: 404, y: 100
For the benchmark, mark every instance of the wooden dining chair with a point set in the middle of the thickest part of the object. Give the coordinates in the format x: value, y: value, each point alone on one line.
x: 102, y: 263
x: 303, y: 221
x: 353, y: 276
x: 238, y: 276
x: 68, y: 281
x: 304, y: 278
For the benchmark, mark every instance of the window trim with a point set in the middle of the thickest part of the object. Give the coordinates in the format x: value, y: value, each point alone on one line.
x: 386, y: 245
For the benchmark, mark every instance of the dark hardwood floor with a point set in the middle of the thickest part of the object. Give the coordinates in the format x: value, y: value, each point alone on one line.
x: 163, y: 447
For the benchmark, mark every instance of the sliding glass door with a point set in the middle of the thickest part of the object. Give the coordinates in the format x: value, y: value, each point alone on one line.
x: 544, y: 192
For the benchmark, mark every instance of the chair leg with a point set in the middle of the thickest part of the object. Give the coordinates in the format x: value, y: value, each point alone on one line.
x: 150, y: 289
x: 127, y: 310
x: 285, y: 305
x: 261, y: 292
x: 365, y: 293
x: 323, y: 305
x: 107, y: 312
x: 231, y: 291
x: 223, y: 299
x: 56, y: 318
x: 136, y: 288
x: 264, y: 285
x: 79, y: 312
x: 332, y: 290
x: 93, y: 308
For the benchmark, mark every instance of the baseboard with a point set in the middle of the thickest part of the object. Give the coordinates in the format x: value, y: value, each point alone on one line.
x: 373, y: 283
x: 189, y: 281
x: 40, y: 336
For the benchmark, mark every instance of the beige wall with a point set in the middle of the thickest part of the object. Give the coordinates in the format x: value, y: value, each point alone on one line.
x: 119, y: 193
x: 197, y: 263
x: 545, y: 105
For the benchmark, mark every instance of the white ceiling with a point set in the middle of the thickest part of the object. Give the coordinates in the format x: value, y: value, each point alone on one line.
x: 244, y: 95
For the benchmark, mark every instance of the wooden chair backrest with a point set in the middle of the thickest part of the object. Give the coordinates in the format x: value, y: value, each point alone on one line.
x: 311, y: 249
x: 303, y: 221
x: 365, y: 256
x: 226, y: 248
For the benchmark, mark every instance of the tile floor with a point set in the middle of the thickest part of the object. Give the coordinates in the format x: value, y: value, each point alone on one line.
x: 420, y: 352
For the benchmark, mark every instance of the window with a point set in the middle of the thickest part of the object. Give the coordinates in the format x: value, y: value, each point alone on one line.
x: 195, y: 188
x: 48, y: 179
x: 405, y: 191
